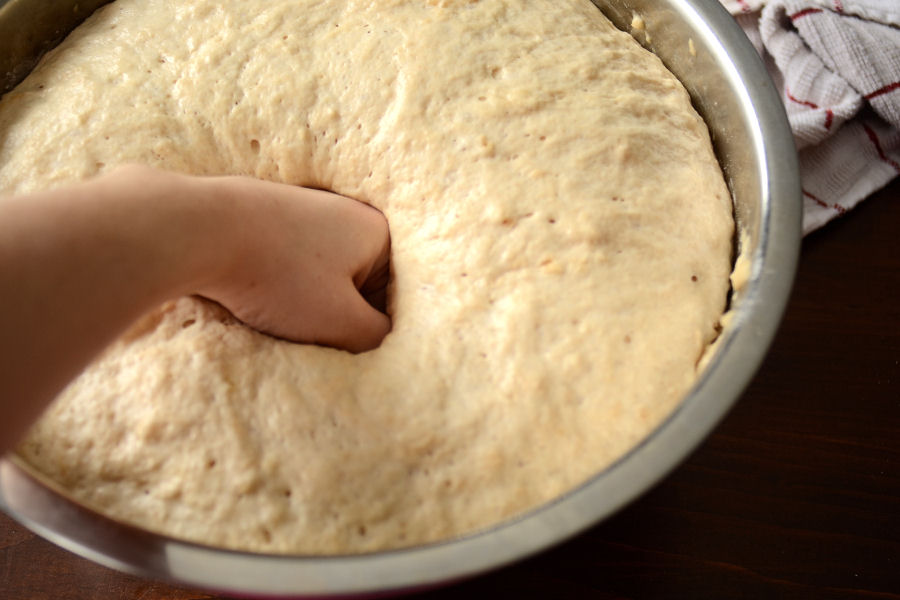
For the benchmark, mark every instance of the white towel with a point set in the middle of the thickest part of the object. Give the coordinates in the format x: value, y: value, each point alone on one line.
x: 837, y: 65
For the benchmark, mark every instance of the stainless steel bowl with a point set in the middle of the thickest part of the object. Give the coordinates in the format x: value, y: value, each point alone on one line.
x: 703, y: 46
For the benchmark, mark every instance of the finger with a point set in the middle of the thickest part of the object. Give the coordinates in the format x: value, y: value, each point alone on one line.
x: 356, y: 326
x: 374, y: 289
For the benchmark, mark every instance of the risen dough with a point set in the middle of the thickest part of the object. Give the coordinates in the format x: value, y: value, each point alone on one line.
x: 561, y: 251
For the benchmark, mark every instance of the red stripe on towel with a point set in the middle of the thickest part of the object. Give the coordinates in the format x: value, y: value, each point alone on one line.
x: 803, y: 102
x: 873, y: 137
x: 829, y: 114
x: 883, y: 90
x: 804, y: 12
x: 818, y: 201
x: 835, y: 207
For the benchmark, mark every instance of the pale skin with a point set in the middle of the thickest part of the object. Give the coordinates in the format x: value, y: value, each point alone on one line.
x: 79, y: 264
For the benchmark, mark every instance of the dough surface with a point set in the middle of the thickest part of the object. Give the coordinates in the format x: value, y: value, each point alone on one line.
x: 561, y: 248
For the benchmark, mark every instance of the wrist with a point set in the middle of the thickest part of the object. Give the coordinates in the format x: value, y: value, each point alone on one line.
x: 177, y: 224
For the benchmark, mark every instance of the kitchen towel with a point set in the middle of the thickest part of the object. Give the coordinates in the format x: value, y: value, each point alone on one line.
x: 837, y: 66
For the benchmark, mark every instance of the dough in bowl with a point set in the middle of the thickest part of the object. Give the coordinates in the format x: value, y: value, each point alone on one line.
x: 561, y: 237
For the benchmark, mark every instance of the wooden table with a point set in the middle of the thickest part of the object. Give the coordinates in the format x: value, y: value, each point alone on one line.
x: 795, y: 495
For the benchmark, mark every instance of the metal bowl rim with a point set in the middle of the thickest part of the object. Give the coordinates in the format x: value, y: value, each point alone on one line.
x: 743, y: 348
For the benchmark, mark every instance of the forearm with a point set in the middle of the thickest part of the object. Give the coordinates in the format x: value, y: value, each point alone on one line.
x: 77, y: 267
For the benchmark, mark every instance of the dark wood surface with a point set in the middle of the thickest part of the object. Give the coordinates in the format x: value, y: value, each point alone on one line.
x: 795, y: 495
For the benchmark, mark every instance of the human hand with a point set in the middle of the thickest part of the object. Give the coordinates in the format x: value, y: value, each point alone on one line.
x: 301, y: 264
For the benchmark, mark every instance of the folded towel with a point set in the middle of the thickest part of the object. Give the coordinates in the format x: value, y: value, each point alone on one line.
x: 837, y: 65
